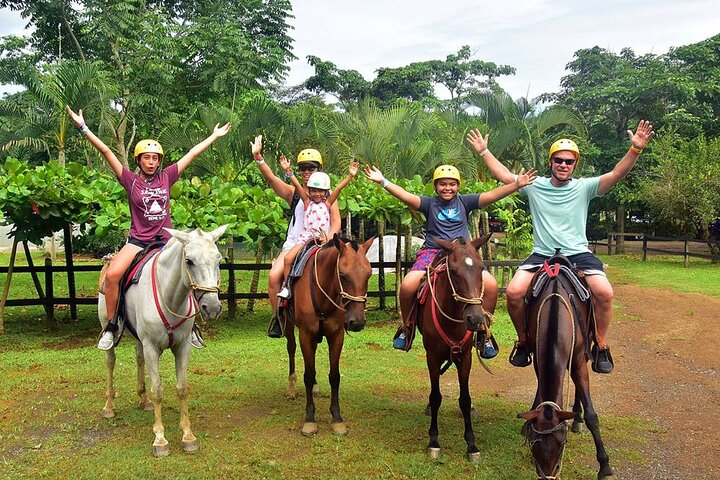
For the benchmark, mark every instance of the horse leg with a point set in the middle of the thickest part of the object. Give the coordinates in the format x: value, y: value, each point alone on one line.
x: 465, y: 402
x: 335, y: 348
x: 308, y: 345
x: 582, y: 384
x: 433, y: 449
x: 291, y: 347
x: 108, y: 410
x: 152, y: 361
x: 578, y: 411
x: 143, y: 402
x: 182, y: 356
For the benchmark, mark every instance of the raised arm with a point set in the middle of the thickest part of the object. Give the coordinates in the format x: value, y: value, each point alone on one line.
x: 293, y: 179
x: 283, y: 190
x: 352, y: 171
x: 501, y: 192
x: 112, y: 160
x: 497, y: 169
x: 638, y: 141
x: 218, y: 132
x: 409, y: 199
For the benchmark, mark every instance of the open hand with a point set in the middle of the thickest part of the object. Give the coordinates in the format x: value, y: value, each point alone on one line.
x: 256, y: 146
x: 353, y: 168
x: 373, y: 173
x: 642, y: 136
x: 526, y: 178
x: 284, y: 163
x: 477, y: 141
x: 76, y: 117
x: 219, y: 131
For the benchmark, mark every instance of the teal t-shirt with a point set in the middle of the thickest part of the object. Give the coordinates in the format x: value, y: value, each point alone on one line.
x: 559, y: 214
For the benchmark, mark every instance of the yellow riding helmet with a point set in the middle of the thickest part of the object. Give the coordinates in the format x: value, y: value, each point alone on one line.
x: 564, y: 144
x: 309, y: 155
x: 446, y: 171
x: 148, y: 146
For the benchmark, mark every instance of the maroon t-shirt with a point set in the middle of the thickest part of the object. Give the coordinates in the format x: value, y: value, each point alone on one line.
x: 149, y: 203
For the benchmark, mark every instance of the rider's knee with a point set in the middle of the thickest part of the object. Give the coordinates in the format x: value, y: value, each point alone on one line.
x: 515, y: 293
x: 603, y: 292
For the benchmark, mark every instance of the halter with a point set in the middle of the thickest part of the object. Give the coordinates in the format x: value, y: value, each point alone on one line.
x: 456, y: 348
x: 343, y: 294
x: 194, y: 305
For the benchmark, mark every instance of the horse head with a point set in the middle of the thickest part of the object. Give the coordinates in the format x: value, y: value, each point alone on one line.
x: 201, y: 263
x: 353, y: 273
x: 546, y: 432
x: 464, y: 274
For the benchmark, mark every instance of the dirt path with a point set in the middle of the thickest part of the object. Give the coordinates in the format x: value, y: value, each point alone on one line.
x: 667, y: 373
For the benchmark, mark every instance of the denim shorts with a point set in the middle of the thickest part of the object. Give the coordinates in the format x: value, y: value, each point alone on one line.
x: 586, y: 262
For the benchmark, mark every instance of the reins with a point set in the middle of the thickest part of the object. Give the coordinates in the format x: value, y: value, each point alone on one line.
x: 343, y: 294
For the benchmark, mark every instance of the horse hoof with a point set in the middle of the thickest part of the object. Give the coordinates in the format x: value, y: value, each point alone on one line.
x: 291, y: 395
x: 108, y: 413
x: 473, y: 457
x: 338, y: 428
x: 605, y: 472
x: 190, y: 447
x: 309, y: 429
x: 147, y: 407
x: 576, y: 427
x: 161, y: 450
x: 433, y: 453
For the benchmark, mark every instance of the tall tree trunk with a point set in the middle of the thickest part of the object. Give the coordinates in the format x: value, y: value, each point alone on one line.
x: 348, y: 225
x: 620, y: 222
x: 381, y: 259
x: 255, y: 278
x: 361, y: 229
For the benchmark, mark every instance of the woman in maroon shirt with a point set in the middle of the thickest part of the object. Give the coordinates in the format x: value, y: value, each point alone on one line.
x: 149, y: 196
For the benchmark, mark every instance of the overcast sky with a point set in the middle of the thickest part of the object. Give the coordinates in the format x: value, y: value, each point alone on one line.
x: 537, y: 37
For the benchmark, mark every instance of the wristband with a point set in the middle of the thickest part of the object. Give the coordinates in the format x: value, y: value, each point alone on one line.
x: 635, y: 149
x: 484, y: 152
x: 290, y: 174
x: 259, y: 162
x: 83, y: 128
x: 384, y: 182
x: 257, y: 157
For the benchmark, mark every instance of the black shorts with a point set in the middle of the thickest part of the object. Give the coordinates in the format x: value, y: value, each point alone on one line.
x: 142, y: 244
x: 587, y: 262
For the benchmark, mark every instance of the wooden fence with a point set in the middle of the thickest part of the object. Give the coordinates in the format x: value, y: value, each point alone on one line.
x: 652, y: 244
x: 48, y: 299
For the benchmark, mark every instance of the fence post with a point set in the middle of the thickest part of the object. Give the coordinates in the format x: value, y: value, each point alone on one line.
x: 644, y: 248
x: 49, y: 293
x: 610, y: 240
x: 67, y: 240
x: 685, y: 254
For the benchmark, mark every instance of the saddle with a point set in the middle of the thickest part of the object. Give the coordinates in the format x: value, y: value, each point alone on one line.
x: 285, y: 306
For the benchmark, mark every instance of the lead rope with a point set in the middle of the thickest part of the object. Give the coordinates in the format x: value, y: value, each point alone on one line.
x: 569, y: 366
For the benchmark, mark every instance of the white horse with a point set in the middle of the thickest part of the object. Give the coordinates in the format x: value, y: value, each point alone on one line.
x: 177, y: 284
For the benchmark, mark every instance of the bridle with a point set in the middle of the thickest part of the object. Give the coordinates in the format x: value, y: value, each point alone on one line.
x: 344, y: 297
x: 194, y: 307
x: 432, y: 274
x: 533, y: 436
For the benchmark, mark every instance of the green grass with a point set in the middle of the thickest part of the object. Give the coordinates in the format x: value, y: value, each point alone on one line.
x: 52, y: 391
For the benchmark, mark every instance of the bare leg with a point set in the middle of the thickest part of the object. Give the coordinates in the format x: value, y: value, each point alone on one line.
x: 515, y: 293
x: 275, y: 279
x: 602, y: 295
x: 114, y: 273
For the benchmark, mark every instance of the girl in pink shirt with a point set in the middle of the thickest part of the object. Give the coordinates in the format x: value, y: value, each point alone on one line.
x: 149, y: 196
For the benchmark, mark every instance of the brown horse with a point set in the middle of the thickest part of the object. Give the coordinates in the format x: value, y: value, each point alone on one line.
x: 451, y: 312
x: 559, y: 332
x: 328, y: 299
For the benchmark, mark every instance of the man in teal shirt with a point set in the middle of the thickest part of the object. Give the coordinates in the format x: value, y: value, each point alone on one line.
x: 559, y: 209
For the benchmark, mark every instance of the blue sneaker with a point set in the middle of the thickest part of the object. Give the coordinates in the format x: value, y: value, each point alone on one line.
x: 489, y: 351
x: 399, y: 342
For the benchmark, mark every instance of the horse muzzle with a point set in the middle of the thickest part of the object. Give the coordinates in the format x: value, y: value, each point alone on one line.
x: 210, y: 305
x: 354, y: 322
x: 475, y: 318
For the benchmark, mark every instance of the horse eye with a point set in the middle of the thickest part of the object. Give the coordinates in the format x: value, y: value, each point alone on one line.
x: 189, y: 262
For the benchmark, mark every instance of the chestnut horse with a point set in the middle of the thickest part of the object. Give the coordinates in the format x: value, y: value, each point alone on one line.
x: 328, y: 299
x: 559, y: 332
x: 447, y: 318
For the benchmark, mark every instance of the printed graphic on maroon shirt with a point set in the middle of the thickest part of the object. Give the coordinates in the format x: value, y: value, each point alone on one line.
x: 155, y: 201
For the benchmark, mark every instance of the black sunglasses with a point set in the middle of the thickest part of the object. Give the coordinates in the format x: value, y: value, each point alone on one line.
x: 566, y: 161
x: 307, y: 168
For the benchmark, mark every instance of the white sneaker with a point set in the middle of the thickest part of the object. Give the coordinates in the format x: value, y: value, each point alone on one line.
x: 284, y: 293
x: 195, y: 340
x: 106, y: 341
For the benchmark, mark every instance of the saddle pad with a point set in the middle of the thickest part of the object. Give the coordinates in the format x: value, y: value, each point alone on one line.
x: 568, y: 273
x: 134, y: 271
x: 302, y: 258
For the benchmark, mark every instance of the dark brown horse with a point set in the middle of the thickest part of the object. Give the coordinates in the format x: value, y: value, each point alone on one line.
x: 559, y: 332
x: 451, y: 312
x: 328, y: 299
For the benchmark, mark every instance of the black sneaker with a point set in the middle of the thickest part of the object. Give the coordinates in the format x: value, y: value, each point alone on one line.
x: 274, y: 329
x: 602, y: 361
x: 520, y: 357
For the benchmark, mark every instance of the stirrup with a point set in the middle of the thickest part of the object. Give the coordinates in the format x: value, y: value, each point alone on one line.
x: 602, y: 361
x: 196, y: 339
x: 274, y: 329
x: 487, y: 347
x: 520, y: 356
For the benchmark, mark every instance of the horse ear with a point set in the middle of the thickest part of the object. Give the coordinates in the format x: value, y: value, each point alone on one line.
x: 218, y: 232
x: 529, y: 416
x: 444, y: 244
x: 179, y: 234
x: 367, y: 244
x: 337, y: 241
x: 479, y: 242
x: 565, y: 415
